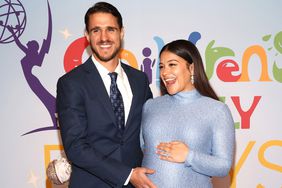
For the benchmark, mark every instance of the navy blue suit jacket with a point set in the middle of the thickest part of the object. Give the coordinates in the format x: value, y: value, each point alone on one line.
x: 101, y: 157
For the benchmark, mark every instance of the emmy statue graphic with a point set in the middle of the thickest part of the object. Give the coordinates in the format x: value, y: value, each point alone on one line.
x: 34, y: 56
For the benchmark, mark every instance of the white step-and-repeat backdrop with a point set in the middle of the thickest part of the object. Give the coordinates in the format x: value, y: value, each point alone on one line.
x: 240, y: 42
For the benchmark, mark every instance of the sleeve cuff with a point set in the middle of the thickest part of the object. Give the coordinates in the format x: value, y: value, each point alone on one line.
x: 189, y: 159
x: 128, y: 178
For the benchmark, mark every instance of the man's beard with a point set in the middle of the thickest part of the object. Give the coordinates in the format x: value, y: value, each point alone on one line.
x: 106, y: 59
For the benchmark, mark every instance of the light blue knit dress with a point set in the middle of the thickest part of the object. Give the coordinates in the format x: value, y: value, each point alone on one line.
x: 204, y: 124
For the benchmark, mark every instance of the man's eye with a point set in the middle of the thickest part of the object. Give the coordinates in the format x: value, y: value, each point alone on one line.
x: 95, y: 30
x: 111, y: 29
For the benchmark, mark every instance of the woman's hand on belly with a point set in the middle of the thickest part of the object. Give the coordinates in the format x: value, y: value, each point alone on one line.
x: 174, y: 151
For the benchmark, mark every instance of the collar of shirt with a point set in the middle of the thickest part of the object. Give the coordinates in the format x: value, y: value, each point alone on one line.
x: 104, y: 73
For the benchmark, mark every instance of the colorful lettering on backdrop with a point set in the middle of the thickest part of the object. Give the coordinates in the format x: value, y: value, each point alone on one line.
x: 227, y: 69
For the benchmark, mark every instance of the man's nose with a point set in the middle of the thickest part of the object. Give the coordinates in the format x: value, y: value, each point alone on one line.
x: 104, y: 35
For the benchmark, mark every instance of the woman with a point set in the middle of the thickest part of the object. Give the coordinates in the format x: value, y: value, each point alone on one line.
x: 187, y: 134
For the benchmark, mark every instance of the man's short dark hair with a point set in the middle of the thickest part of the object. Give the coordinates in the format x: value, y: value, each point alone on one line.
x: 103, y: 7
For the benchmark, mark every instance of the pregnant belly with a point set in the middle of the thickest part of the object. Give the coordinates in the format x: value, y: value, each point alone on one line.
x: 166, y: 173
x: 176, y: 175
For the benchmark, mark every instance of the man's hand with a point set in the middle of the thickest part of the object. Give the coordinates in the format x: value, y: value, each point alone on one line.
x: 139, y: 178
x: 174, y: 151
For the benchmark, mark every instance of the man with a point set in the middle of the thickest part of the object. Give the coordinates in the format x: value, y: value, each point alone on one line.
x: 102, y: 142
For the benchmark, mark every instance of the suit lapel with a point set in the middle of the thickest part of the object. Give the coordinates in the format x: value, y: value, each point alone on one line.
x: 98, y: 87
x: 100, y: 92
x: 134, y: 87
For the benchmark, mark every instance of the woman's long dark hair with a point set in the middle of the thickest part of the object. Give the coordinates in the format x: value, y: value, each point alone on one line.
x: 188, y: 51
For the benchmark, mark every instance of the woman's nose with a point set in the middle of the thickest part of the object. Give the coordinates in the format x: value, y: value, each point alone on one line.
x: 164, y: 71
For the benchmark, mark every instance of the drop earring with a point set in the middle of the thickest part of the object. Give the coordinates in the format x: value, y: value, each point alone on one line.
x: 192, y: 79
